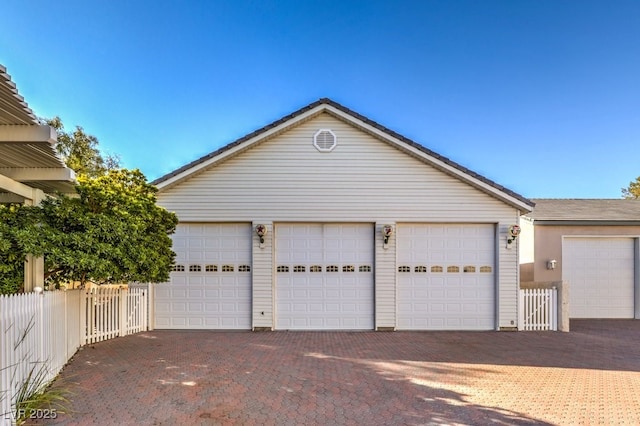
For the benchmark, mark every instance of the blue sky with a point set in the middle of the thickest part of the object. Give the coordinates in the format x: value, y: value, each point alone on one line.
x: 542, y: 97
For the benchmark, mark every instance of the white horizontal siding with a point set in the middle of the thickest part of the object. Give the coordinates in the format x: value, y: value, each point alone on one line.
x: 262, y: 278
x: 508, y: 274
x: 385, y: 279
x: 287, y: 179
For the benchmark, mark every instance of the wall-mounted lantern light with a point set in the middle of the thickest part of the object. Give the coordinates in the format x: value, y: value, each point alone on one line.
x: 261, y: 231
x: 512, y: 235
x: 387, y: 231
x: 552, y: 264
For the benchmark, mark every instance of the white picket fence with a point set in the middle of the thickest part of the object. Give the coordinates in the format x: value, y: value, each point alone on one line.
x: 538, y: 309
x: 112, y: 312
x: 40, y: 332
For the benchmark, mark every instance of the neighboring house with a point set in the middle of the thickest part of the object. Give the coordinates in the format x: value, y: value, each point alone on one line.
x: 326, y: 220
x: 29, y: 166
x: 592, y: 245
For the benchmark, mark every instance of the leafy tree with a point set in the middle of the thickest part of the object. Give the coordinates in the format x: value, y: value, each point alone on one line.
x: 633, y: 190
x: 15, y: 227
x: 112, y: 233
x: 80, y: 151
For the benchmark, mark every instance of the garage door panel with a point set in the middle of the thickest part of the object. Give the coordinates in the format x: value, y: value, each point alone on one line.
x: 173, y: 322
x: 195, y: 293
x: 442, y: 287
x: 331, y: 294
x: 179, y: 244
x: 212, y: 307
x: 301, y: 294
x: 324, y: 278
x: 195, y: 244
x: 243, y: 294
x: 177, y: 293
x: 178, y: 280
x: 196, y: 307
x: 178, y: 306
x: 433, y: 294
x: 162, y: 292
x: 600, y: 273
x: 211, y: 292
x: 162, y: 323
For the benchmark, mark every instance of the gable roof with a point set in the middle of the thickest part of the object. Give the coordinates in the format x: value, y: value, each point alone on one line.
x: 602, y: 211
x: 363, y: 123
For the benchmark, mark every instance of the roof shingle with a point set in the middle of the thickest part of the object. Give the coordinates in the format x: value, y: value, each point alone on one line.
x: 559, y: 209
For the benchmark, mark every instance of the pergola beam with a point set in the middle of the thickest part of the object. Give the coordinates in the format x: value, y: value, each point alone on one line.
x: 9, y: 185
x: 7, y: 198
x: 35, y: 133
x: 38, y: 174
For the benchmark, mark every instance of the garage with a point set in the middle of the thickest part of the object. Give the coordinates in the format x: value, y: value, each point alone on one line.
x: 332, y: 204
x: 210, y: 286
x: 324, y: 276
x: 600, y: 273
x: 445, y: 276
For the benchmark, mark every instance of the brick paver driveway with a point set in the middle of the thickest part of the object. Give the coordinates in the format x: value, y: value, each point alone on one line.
x: 588, y: 376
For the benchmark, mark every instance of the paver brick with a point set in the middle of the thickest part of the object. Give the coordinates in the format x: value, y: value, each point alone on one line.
x: 589, y: 376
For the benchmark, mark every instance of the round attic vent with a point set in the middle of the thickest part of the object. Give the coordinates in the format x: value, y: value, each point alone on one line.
x: 325, y: 140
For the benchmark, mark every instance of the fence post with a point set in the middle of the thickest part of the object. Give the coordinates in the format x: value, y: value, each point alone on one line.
x: 40, y: 322
x: 554, y: 308
x: 83, y: 317
x: 145, y: 311
x: 66, y: 325
x: 151, y: 294
x: 521, y: 310
x: 123, y: 293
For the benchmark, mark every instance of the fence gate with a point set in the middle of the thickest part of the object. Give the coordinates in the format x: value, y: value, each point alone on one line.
x: 113, y: 312
x: 538, y: 309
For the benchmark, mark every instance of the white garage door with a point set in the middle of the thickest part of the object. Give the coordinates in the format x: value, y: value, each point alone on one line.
x: 600, y: 275
x: 445, y: 277
x: 210, y: 287
x: 324, y: 276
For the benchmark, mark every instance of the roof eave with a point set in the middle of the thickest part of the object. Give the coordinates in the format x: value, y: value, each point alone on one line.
x: 586, y: 222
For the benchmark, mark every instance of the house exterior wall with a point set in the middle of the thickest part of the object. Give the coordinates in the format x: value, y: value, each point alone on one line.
x: 286, y: 179
x: 526, y: 252
x: 548, y: 244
